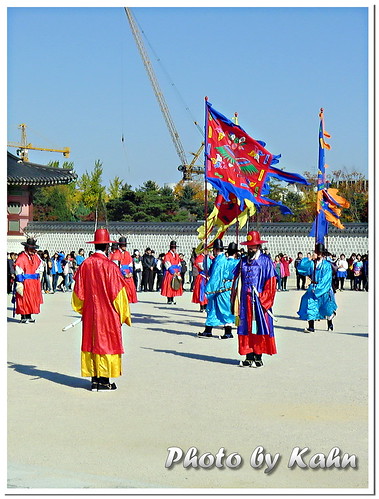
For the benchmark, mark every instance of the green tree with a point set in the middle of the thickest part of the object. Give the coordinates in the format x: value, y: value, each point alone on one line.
x: 115, y: 188
x: 92, y: 192
x: 149, y: 186
x: 353, y: 186
x: 58, y: 202
x: 159, y: 204
x: 188, y: 202
x: 125, y: 206
x: 67, y: 165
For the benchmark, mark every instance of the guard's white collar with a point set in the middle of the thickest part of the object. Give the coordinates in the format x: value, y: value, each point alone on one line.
x: 101, y: 252
x: 256, y: 255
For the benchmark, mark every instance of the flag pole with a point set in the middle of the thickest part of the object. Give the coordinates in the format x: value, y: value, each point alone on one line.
x: 318, y: 186
x: 318, y: 173
x: 206, y: 185
x: 235, y: 121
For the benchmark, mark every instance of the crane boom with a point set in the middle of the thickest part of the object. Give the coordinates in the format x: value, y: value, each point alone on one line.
x: 184, y: 167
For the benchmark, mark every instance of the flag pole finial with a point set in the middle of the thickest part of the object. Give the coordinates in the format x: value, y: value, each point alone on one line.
x: 206, y: 97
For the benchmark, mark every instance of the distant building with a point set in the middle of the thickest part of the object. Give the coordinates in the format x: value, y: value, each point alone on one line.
x: 22, y: 177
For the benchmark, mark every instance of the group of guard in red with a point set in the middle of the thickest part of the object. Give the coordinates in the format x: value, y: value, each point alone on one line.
x: 228, y: 289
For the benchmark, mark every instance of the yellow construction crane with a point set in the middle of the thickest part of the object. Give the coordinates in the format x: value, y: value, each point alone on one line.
x: 189, y: 169
x: 23, y: 147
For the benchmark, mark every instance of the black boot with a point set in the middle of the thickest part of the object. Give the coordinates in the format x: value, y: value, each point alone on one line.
x: 249, y: 361
x: 227, y: 333
x: 258, y: 360
x: 207, y: 333
x: 104, y: 385
x: 94, y: 383
x: 310, y: 328
x: 330, y: 325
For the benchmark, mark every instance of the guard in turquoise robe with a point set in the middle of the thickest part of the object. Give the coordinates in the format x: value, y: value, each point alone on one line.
x: 318, y: 301
x: 218, y: 290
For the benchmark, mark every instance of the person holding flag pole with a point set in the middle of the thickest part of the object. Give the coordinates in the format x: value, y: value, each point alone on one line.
x: 318, y: 302
x: 240, y: 167
x: 252, y: 298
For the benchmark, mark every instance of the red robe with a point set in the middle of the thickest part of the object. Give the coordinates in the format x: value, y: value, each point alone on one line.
x: 174, y: 269
x: 98, y: 286
x: 31, y: 301
x: 198, y: 295
x: 125, y: 262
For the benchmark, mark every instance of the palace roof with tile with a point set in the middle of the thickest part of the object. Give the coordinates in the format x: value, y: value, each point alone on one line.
x: 25, y: 173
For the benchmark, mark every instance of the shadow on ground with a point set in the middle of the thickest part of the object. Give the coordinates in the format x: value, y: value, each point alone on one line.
x: 196, y: 356
x: 172, y: 331
x: 60, y: 379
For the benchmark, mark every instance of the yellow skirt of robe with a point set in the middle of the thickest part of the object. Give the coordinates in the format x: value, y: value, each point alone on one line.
x: 94, y: 364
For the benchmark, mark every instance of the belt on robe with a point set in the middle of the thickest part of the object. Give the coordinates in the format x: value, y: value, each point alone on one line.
x: 23, y: 277
x: 125, y: 269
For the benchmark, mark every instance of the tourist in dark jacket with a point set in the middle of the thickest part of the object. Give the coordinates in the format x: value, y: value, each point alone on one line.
x: 11, y: 272
x: 148, y: 264
x: 183, y: 269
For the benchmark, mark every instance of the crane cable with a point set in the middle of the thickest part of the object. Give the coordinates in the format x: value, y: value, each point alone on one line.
x: 157, y: 58
x: 123, y: 87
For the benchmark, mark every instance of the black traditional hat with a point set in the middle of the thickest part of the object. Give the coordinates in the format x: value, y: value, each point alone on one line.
x: 232, y: 248
x: 218, y: 244
x: 30, y: 243
x: 122, y: 240
x: 173, y: 244
x: 320, y: 249
x: 114, y: 246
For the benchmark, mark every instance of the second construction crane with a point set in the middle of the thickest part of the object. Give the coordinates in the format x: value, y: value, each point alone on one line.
x: 23, y: 147
x: 189, y: 169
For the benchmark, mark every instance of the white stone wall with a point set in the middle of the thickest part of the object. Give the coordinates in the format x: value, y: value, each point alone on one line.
x: 72, y: 241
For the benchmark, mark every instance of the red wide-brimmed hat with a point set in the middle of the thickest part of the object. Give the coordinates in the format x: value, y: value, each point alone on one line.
x: 253, y: 238
x: 101, y: 237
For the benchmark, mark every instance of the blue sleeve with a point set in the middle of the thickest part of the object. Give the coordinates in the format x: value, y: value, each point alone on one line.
x: 305, y: 266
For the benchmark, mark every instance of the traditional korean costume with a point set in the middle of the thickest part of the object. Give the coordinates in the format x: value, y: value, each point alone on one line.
x: 100, y: 296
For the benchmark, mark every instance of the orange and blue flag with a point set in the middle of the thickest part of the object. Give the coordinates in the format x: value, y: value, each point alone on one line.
x: 329, y: 203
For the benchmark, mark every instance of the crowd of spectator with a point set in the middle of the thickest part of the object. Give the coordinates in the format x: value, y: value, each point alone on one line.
x: 58, y: 269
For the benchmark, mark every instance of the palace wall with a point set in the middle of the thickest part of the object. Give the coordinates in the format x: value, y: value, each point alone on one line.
x: 281, y: 237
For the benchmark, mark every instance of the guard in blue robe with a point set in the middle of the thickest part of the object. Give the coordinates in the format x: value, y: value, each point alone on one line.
x: 218, y: 289
x: 318, y: 302
x: 253, y: 295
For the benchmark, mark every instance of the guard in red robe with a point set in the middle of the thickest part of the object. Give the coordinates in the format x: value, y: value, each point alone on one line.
x: 100, y: 296
x: 28, y: 293
x: 172, y: 284
x: 123, y: 259
x: 202, y: 263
